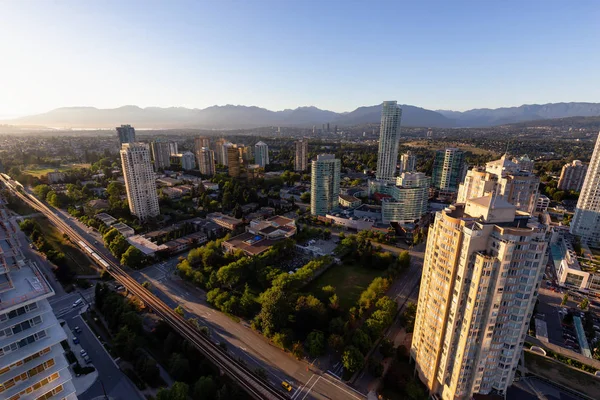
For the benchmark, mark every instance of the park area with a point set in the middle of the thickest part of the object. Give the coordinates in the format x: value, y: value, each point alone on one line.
x: 349, y: 280
x: 40, y: 170
x: 75, y: 259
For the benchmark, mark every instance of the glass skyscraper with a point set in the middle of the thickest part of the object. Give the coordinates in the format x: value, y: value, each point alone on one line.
x: 389, y: 136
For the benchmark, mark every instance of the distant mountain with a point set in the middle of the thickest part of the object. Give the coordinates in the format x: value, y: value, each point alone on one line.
x: 239, y: 117
x: 222, y: 117
x: 411, y: 116
x: 527, y: 112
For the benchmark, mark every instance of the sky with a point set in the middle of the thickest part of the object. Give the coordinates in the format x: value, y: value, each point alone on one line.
x: 332, y: 54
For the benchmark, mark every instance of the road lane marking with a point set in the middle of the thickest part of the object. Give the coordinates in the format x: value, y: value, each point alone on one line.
x: 348, y: 387
x: 301, y: 388
x: 311, y: 388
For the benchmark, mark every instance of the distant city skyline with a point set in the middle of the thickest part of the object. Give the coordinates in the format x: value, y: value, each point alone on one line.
x: 280, y: 55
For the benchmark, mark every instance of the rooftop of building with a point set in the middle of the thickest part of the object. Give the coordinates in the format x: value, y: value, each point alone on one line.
x: 106, y: 219
x: 489, y: 210
x: 23, y: 284
x: 250, y: 243
x: 348, y: 197
x: 217, y: 216
x: 145, y: 245
x: 369, y: 208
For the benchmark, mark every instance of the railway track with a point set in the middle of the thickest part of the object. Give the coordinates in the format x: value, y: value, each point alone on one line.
x: 243, y: 376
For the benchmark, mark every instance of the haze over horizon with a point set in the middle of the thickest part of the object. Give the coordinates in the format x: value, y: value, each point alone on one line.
x: 280, y: 55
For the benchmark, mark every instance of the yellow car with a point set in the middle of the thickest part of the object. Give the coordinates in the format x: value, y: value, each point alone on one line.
x: 286, y: 386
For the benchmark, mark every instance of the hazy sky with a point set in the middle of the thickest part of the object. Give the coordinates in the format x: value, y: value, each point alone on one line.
x: 334, y: 54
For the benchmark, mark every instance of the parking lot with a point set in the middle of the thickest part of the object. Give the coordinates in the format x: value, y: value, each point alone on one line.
x: 552, y: 313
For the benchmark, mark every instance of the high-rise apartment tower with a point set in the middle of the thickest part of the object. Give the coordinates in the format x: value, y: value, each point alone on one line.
x: 301, y: 158
x: 161, y: 155
x: 449, y: 169
x: 389, y: 137
x: 325, y: 184
x: 126, y: 134
x: 408, y: 162
x: 233, y: 161
x: 586, y: 221
x: 206, y: 161
x: 139, y: 180
x: 261, y: 154
x: 572, y: 176
x: 32, y: 363
x: 481, y: 274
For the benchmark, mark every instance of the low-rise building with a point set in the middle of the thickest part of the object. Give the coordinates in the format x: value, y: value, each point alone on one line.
x: 261, y: 235
x: 261, y: 213
x: 98, y: 204
x: 353, y: 223
x: 106, y: 219
x: 578, y: 273
x: 55, y: 177
x: 208, y: 185
x: 349, y: 201
x: 225, y: 221
x: 145, y: 245
x: 368, y: 211
x: 166, y: 181
x: 184, y: 243
x: 124, y: 229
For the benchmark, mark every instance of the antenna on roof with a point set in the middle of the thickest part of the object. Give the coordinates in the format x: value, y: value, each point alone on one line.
x: 507, y: 147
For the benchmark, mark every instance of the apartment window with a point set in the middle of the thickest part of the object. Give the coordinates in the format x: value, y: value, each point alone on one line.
x: 51, y: 393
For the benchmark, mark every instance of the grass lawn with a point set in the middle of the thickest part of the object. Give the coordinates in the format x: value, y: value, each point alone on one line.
x: 349, y: 280
x: 40, y: 170
x: 431, y: 145
x: 77, y: 261
x: 563, y: 374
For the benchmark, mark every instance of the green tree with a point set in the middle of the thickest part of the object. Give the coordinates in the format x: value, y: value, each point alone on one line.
x: 125, y: 343
x: 335, y: 342
x: 179, y: 391
x: 305, y: 197
x: 565, y: 299
x: 205, y: 388
x: 118, y: 246
x: 298, y: 350
x: 386, y: 348
x: 248, y: 302
x: 404, y: 259
x: 362, y: 341
x: 315, y: 343
x: 274, y: 310
x: 41, y: 191
x: 310, y: 313
x: 110, y: 236
x: 179, y: 310
x: 179, y: 367
x: 352, y: 359
x: 584, y: 304
x: 133, y: 258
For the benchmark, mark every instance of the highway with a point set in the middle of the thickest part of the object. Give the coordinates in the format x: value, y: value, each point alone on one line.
x: 308, y: 381
x: 242, y: 375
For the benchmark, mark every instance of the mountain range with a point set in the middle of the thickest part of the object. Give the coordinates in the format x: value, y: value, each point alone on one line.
x: 239, y: 117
